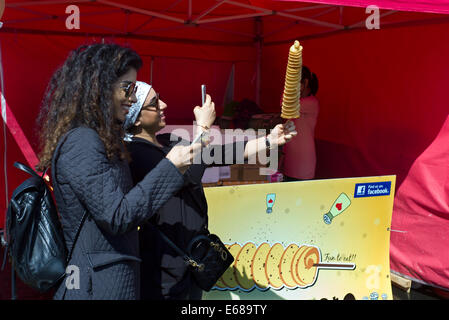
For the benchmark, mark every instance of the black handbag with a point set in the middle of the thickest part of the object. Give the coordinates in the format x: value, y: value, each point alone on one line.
x: 34, y: 234
x: 35, y: 238
x: 207, y: 256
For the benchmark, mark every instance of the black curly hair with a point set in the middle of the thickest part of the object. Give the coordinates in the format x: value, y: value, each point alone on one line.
x: 80, y: 94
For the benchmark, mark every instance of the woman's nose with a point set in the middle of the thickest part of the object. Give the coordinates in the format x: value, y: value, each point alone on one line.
x: 133, y: 97
x: 162, y: 105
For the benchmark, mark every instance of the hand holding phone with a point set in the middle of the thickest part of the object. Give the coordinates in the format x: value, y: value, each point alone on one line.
x: 203, y: 101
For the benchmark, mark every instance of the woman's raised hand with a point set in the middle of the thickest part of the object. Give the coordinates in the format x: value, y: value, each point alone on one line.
x: 205, y: 115
x: 282, y: 133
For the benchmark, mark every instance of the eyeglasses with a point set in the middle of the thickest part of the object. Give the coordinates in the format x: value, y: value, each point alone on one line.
x: 129, y: 89
x: 154, y: 103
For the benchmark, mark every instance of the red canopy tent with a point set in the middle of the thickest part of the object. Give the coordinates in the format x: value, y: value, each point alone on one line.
x: 382, y: 92
x: 436, y: 6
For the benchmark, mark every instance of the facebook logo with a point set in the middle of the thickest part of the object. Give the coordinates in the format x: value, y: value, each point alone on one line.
x: 360, y: 190
x: 373, y: 189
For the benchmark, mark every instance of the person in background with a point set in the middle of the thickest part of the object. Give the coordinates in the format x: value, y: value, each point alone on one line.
x: 81, y: 119
x: 165, y: 276
x: 299, y: 156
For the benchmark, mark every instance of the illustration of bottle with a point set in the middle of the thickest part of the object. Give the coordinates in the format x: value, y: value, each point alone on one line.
x: 339, y: 205
x: 271, y: 197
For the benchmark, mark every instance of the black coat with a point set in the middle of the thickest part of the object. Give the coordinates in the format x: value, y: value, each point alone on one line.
x: 107, y: 250
x: 164, y: 274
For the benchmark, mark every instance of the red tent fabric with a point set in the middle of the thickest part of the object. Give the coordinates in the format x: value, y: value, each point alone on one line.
x: 383, y: 95
x: 437, y: 6
x: 420, y: 237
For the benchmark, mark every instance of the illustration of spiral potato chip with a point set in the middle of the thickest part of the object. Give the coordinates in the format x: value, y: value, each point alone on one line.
x: 272, y: 266
x: 258, y: 267
x: 305, y: 270
x: 285, y: 266
x: 242, y: 268
x: 298, y: 255
x: 219, y: 284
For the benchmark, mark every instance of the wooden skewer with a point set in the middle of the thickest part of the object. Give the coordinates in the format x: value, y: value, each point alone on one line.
x: 349, y: 266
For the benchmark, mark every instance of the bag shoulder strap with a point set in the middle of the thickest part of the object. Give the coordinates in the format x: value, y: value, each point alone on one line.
x: 184, y: 255
x: 173, y: 245
x: 26, y: 168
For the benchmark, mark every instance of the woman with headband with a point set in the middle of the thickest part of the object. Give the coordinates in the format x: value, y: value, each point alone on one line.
x: 164, y: 273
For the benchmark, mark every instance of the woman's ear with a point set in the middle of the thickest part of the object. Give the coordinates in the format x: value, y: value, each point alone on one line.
x: 137, y: 123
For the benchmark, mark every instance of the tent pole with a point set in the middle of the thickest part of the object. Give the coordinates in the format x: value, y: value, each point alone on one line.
x: 141, y: 11
x: 207, y: 11
x: 341, y: 16
x: 3, y: 112
x: 189, y: 11
x: 259, y: 40
x: 312, y: 21
x: 236, y: 17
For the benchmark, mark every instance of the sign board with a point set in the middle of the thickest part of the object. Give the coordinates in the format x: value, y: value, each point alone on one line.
x: 317, y: 239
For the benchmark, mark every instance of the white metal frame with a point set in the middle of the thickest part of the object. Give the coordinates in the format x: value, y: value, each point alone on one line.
x: 201, y: 19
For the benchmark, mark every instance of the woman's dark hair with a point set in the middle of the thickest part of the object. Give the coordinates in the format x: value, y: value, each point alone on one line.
x: 80, y: 94
x: 313, y: 80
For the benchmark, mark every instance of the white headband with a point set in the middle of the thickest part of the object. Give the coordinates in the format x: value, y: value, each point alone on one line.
x: 143, y: 89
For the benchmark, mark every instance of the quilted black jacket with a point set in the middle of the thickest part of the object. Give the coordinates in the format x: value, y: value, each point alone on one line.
x: 107, y: 250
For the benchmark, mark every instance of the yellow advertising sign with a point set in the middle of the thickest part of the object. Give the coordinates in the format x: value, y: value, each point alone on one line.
x: 317, y: 239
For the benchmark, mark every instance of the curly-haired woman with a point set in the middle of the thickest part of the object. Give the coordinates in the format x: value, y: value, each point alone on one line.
x: 86, y: 102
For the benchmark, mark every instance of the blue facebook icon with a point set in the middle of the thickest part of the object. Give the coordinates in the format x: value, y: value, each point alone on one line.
x: 361, y: 190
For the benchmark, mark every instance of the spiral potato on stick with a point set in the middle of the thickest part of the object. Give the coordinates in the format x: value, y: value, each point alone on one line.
x: 292, y: 86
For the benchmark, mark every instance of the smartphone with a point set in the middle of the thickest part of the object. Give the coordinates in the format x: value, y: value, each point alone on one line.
x: 203, y: 100
x: 203, y: 94
x: 198, y: 138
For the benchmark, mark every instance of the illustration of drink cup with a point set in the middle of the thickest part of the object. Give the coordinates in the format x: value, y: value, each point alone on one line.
x: 271, y: 197
x: 339, y: 205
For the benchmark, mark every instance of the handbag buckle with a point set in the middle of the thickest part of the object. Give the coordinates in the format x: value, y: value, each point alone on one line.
x: 194, y: 264
x: 218, y: 248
